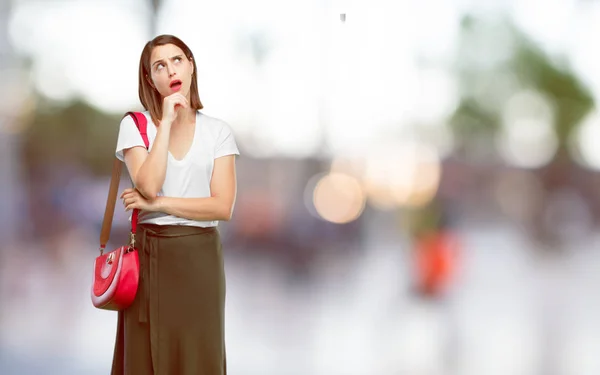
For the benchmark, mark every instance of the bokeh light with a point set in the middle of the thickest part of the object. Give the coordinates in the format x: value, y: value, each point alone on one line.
x: 527, y: 138
x: 584, y: 142
x: 402, y: 174
x: 339, y: 198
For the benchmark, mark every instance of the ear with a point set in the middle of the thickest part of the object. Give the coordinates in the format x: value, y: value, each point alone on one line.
x: 192, y: 64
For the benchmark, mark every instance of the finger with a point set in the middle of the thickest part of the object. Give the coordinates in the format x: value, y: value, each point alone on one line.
x: 176, y: 96
x: 181, y: 99
x: 180, y: 103
x: 131, y: 194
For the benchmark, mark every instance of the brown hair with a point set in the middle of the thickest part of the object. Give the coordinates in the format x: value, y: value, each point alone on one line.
x: 150, y: 98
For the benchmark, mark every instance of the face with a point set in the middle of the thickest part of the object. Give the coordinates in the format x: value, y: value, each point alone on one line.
x: 171, y: 71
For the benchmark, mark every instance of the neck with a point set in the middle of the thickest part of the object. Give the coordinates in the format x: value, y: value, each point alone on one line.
x: 184, y: 116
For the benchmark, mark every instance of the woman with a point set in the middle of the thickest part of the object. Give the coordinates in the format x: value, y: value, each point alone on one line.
x: 184, y: 185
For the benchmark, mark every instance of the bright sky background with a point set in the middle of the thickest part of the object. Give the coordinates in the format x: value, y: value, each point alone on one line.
x: 348, y: 84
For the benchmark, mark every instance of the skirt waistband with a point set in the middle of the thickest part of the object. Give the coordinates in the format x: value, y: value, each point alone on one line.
x: 174, y: 230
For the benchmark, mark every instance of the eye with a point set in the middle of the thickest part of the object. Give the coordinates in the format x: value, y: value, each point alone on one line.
x: 178, y: 59
x: 159, y: 66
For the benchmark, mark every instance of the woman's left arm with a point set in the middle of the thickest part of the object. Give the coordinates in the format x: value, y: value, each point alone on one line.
x: 219, y: 206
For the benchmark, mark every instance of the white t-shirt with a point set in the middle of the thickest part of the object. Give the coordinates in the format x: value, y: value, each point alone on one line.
x: 189, y: 177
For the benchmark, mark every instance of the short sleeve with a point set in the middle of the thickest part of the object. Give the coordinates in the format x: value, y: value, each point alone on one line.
x: 225, y: 144
x: 129, y: 136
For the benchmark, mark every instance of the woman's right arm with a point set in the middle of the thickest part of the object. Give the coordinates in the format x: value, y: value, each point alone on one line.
x: 148, y: 169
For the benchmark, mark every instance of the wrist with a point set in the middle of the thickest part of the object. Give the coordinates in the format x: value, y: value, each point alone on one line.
x: 158, y: 204
x: 165, y: 123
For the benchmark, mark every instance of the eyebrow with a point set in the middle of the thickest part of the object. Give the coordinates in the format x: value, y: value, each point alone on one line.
x: 161, y: 60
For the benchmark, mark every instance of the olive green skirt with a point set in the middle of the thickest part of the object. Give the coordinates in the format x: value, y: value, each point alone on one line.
x: 175, y: 325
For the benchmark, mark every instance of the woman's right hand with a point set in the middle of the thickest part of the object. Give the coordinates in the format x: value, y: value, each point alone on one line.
x: 170, y: 104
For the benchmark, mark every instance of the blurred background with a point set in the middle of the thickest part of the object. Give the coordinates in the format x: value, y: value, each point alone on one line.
x: 418, y: 180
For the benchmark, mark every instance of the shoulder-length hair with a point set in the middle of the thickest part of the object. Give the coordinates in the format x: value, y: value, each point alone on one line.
x: 149, y: 97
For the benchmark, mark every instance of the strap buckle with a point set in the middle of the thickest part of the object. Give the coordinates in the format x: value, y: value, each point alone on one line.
x: 131, y: 246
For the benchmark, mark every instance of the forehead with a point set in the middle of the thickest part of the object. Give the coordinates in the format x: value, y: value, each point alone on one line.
x: 164, y: 52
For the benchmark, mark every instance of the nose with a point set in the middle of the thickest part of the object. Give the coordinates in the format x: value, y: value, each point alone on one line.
x: 170, y: 70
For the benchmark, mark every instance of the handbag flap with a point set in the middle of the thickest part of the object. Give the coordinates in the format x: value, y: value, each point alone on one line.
x: 106, y: 269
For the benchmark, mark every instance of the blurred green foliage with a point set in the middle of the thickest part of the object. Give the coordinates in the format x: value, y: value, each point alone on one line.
x: 73, y: 134
x: 489, y: 53
x: 494, y: 61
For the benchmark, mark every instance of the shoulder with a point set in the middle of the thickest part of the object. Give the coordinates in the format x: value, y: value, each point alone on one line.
x: 214, y: 125
x: 212, y: 122
x: 127, y: 120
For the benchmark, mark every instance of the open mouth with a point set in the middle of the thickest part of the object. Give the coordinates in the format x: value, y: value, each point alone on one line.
x: 175, y: 85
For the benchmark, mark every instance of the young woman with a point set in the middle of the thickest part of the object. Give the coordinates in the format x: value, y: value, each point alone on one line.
x: 184, y: 185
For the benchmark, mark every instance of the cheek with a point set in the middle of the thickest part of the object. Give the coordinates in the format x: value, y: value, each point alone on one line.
x: 159, y: 82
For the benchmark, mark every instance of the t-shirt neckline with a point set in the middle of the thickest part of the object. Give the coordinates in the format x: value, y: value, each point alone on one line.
x: 187, y: 155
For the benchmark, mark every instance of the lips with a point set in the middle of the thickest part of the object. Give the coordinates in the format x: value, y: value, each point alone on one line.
x: 175, y: 85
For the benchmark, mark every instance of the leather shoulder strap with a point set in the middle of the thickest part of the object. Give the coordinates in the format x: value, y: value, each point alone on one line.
x: 142, y: 124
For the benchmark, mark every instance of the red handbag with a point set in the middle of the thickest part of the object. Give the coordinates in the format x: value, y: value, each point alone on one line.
x: 116, y: 273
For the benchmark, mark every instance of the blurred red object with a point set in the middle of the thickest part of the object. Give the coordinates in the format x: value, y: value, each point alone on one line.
x: 436, y: 261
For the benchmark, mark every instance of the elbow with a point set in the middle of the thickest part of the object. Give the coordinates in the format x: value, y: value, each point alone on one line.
x: 146, y: 187
x: 149, y: 194
x: 226, y: 214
